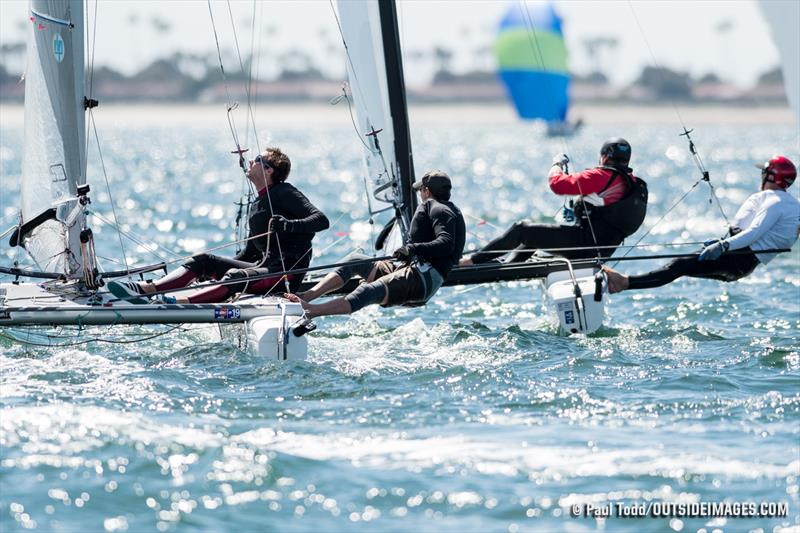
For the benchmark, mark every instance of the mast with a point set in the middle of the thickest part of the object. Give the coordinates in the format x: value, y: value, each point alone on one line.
x: 393, y: 59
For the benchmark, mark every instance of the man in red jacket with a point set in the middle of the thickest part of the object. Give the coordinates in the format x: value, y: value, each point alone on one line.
x: 611, y: 206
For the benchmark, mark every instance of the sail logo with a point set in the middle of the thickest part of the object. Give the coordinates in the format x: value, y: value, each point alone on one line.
x: 58, y: 47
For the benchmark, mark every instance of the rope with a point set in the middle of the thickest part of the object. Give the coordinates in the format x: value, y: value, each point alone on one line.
x: 93, y: 339
x: 698, y: 161
x: 266, y: 275
x: 108, y: 188
x: 657, y: 222
x: 531, y: 31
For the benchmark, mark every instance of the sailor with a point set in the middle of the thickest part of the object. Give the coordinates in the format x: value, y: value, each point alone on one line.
x: 612, y: 206
x: 282, y: 225
x: 436, y: 242
x: 768, y: 220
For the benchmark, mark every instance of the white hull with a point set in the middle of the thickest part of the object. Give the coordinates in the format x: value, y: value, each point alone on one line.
x: 268, y: 321
x: 577, y: 313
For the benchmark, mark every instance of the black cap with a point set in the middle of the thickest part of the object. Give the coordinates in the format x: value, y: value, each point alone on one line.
x: 617, y: 149
x: 436, y: 181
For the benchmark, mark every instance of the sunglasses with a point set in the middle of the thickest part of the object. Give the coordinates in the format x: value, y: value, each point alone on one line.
x: 261, y: 160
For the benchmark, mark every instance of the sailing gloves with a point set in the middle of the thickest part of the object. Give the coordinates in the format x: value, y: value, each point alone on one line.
x: 404, y: 253
x: 561, y: 161
x: 281, y: 224
x: 714, y: 250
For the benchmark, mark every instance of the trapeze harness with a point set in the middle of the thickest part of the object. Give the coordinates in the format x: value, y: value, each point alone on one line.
x: 621, y: 219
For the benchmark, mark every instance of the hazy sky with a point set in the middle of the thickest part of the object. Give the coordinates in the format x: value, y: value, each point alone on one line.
x: 686, y: 35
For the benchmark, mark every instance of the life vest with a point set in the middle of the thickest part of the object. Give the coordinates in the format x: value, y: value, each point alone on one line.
x: 624, y: 216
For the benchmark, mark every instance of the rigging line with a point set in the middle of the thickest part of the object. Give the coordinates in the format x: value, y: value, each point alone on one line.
x: 392, y: 178
x: 337, y: 241
x: 698, y: 161
x: 250, y: 66
x: 91, y: 72
x: 672, y: 101
x: 108, y: 186
x: 653, y: 226
x: 264, y: 276
x: 219, y: 56
x: 581, y: 248
x: 87, y: 341
x: 537, y: 50
x: 137, y: 239
x: 310, y: 248
x: 244, y: 71
x: 231, y: 121
x: 347, y: 55
x: 353, y: 120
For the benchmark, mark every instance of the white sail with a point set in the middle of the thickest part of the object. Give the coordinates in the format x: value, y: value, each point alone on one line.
x: 369, y: 91
x: 54, y: 149
x: 783, y: 17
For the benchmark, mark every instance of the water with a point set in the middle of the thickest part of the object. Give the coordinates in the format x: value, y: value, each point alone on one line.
x: 471, y: 414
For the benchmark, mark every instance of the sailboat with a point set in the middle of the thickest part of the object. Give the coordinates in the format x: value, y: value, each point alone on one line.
x: 532, y: 63
x: 53, y: 227
x: 576, y: 290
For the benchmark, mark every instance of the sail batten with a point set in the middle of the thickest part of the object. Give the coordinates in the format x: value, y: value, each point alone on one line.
x: 55, y: 139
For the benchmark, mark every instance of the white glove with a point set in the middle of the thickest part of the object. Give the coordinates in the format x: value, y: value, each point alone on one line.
x: 560, y: 160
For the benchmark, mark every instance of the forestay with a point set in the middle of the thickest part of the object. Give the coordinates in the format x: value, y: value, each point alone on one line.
x: 53, y: 154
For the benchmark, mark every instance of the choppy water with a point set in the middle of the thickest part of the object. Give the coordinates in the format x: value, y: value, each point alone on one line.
x: 470, y: 414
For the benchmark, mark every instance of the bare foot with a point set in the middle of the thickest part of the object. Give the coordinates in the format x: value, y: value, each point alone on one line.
x: 465, y: 262
x: 296, y: 299
x: 617, y: 282
x: 307, y: 296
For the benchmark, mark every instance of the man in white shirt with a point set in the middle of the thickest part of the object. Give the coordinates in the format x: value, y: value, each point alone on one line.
x: 768, y: 220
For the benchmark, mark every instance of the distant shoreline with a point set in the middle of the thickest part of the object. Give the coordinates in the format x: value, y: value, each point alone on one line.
x: 303, y: 115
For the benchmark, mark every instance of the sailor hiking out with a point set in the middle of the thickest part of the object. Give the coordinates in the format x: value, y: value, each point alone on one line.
x: 282, y: 225
x: 436, y: 242
x: 611, y: 207
x: 767, y: 220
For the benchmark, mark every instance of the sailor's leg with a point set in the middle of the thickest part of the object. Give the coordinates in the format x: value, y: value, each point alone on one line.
x: 668, y: 273
x: 198, y: 266
x: 499, y: 246
x: 360, y: 265
x: 364, y: 295
x: 236, y: 280
x: 177, y: 279
x: 725, y: 268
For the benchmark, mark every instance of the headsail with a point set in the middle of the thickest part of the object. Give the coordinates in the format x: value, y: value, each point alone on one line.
x: 782, y: 18
x: 377, y: 87
x: 54, y: 151
x: 532, y: 61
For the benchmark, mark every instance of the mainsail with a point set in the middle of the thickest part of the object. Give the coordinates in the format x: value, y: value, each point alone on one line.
x: 54, y: 151
x: 783, y: 18
x: 532, y: 61
x: 375, y: 71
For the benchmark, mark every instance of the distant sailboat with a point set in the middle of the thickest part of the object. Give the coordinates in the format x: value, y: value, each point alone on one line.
x: 532, y: 63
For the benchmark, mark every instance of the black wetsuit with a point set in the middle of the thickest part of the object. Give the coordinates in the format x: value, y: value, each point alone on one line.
x: 605, y: 226
x: 438, y: 234
x: 725, y: 268
x: 304, y: 220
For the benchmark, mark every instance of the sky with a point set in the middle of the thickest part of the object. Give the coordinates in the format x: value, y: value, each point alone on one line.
x: 729, y: 37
